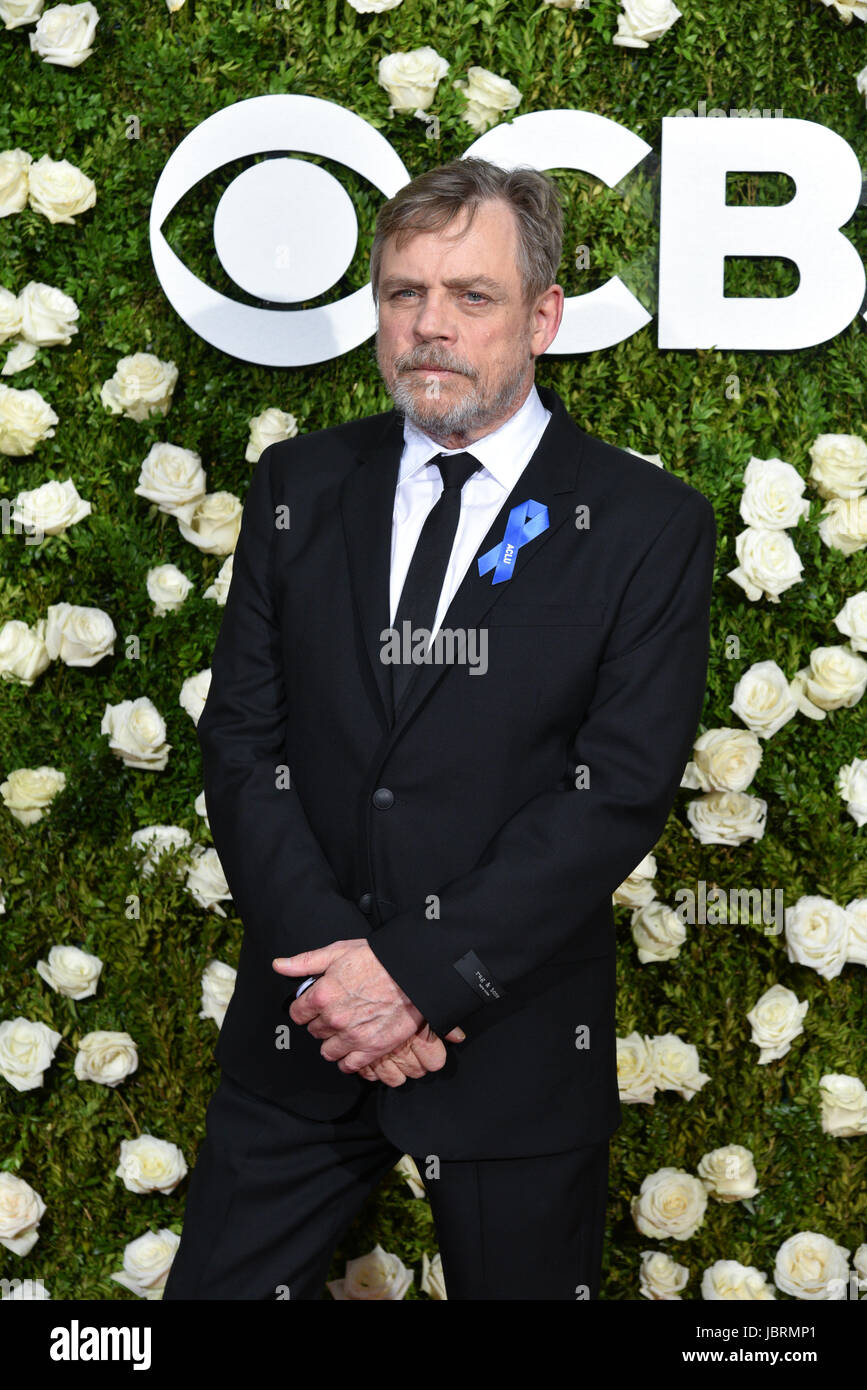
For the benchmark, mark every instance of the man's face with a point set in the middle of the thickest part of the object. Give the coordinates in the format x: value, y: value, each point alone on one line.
x: 456, y: 343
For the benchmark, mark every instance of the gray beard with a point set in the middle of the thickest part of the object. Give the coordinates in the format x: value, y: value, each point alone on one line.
x: 467, y: 416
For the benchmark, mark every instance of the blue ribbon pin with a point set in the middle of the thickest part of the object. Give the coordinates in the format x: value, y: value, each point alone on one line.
x: 526, y: 521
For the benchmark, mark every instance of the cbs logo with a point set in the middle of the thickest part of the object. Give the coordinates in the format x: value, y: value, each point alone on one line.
x: 285, y: 229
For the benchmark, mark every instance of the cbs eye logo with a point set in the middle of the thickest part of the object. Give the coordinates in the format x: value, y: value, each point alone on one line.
x: 285, y: 230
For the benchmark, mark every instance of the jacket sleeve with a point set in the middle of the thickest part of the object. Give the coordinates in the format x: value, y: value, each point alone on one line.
x: 281, y: 883
x: 551, y: 866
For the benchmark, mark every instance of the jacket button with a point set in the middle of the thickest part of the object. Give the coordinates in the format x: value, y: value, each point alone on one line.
x: 365, y: 902
x: 383, y: 798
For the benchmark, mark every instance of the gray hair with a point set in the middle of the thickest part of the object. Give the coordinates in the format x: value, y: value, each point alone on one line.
x: 433, y: 199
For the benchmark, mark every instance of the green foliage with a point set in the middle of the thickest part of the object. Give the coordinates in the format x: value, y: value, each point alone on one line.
x: 68, y: 878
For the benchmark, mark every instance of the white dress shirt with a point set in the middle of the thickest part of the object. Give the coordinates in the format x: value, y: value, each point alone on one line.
x: 503, y: 454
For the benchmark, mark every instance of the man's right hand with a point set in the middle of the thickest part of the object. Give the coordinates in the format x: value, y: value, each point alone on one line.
x: 423, y: 1052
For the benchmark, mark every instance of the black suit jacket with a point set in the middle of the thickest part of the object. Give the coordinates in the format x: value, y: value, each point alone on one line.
x: 464, y: 842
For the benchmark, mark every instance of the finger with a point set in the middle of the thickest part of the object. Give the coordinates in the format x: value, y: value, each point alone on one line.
x: 389, y: 1072
x: 308, y: 962
x: 432, y: 1056
x: 456, y: 1035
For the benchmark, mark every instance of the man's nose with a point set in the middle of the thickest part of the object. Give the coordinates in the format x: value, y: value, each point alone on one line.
x: 434, y: 317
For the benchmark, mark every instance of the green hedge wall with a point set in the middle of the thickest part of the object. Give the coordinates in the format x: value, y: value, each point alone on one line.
x: 67, y: 878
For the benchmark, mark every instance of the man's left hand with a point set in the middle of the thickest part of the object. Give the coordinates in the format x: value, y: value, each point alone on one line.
x: 356, y: 1005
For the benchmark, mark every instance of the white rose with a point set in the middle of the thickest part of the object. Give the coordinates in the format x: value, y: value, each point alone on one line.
x: 78, y: 636
x: 729, y: 1279
x: 768, y: 563
x: 148, y: 1164
x: 763, y: 699
x: 49, y: 509
x: 725, y: 760
x: 852, y: 621
x: 859, y: 1261
x: 817, y: 934
x: 142, y: 386
x: 635, y: 1079
x: 27, y: 1049
x: 21, y: 1210
x: 146, y: 1263
x: 727, y: 818
x: 657, y: 931
x: 856, y: 916
x: 218, y: 986
x: 411, y: 78
x: 729, y: 1173
x: 847, y: 8
x: 637, y: 889
x: 655, y: 459
x: 201, y: 809
x: 670, y: 1203
x: 839, y: 465
x: 156, y: 840
x: 171, y: 477
x: 810, y: 1266
x: 408, y: 1169
x: 660, y: 1277
x: 26, y: 419
x: 773, y: 496
x: 836, y: 678
x: 167, y: 588
x: 676, y: 1066
x: 19, y: 358
x: 374, y: 6
x: 105, y: 1057
x: 851, y: 784
x: 70, y: 971
x: 219, y: 590
x: 432, y: 1280
x: 777, y: 1018
x: 206, y: 880
x: 272, y: 425
x: 488, y: 97
x: 844, y: 1104
x: 844, y: 524
x: 29, y: 791
x: 47, y: 315
x: 194, y: 693
x: 10, y: 315
x: 174, y: 5
x: 213, y: 523
x: 22, y: 651
x: 375, y: 1275
x: 17, y: 12
x: 64, y: 34
x: 644, y: 20
x: 59, y: 190
x: 14, y: 164
x: 137, y: 733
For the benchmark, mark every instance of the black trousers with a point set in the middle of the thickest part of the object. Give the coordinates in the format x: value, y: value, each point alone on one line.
x: 272, y: 1194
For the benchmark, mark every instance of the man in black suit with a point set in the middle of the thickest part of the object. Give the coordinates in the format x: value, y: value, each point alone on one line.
x: 458, y: 677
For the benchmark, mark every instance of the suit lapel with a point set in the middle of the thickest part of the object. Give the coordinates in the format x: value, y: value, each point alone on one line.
x: 367, y: 504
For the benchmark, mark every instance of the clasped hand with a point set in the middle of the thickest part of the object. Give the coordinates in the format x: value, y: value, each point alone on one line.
x: 369, y: 1024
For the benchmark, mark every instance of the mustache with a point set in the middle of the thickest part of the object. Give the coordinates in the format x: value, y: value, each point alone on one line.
x: 431, y: 358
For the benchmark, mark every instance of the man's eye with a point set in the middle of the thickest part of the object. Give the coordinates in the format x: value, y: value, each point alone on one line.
x: 477, y: 293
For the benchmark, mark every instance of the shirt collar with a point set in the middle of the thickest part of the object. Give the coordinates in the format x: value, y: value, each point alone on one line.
x: 497, y: 451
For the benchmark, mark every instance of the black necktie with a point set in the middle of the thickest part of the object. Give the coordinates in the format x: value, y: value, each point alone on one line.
x: 422, y: 587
